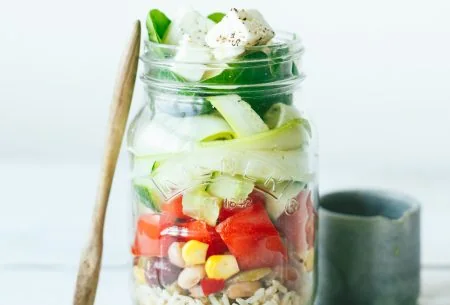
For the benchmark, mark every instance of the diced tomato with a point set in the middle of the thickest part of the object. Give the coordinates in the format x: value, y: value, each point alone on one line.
x: 253, y: 219
x: 296, y: 227
x: 229, y: 209
x: 210, y: 286
x: 149, y: 225
x: 148, y: 240
x: 216, y: 245
x: 174, y: 207
x: 200, y: 231
x: 226, y: 212
x: 166, y: 220
x: 269, y: 251
x: 196, y: 230
x: 253, y: 239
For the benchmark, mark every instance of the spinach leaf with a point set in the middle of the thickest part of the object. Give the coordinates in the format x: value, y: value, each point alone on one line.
x: 270, y: 68
x: 216, y: 17
x: 157, y: 24
x: 295, y: 71
x: 263, y: 70
x: 252, y: 68
x: 281, y: 65
x: 260, y: 101
x: 239, y: 73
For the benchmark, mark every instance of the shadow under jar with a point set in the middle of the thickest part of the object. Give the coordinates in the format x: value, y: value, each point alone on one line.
x: 223, y: 179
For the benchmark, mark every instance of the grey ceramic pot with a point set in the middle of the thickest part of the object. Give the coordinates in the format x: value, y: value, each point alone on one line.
x: 369, y: 249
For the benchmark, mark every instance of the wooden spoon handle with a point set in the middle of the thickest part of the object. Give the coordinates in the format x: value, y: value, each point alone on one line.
x: 89, y: 269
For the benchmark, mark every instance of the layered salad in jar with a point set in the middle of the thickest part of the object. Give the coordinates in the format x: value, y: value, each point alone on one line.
x: 223, y: 169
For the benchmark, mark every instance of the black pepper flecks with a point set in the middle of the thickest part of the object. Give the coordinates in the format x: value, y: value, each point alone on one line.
x: 249, y: 26
x: 236, y: 43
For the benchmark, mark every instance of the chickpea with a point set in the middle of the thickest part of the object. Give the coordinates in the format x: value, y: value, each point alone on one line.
x: 175, y: 256
x: 191, y: 276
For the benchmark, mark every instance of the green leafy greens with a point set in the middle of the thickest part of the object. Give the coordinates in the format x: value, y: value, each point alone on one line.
x: 157, y: 24
x: 252, y: 68
x: 216, y: 17
x: 259, y: 68
x: 255, y: 68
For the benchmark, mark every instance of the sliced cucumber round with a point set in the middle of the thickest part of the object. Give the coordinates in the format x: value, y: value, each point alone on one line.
x: 145, y: 165
x: 239, y: 115
x: 154, y: 139
x: 291, y: 135
x: 279, y: 114
x: 202, y: 128
x: 233, y: 188
x: 200, y: 205
x: 193, y: 168
x: 279, y: 195
x: 169, y: 134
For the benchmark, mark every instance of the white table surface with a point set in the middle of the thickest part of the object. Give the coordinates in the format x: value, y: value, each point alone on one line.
x: 46, y: 208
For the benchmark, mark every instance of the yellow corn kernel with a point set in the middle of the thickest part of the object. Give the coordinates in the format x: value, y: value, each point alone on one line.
x: 309, y: 260
x: 139, y: 275
x: 221, y: 267
x: 194, y: 252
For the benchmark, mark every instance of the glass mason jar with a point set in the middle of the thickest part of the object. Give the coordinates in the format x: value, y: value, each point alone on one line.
x: 223, y: 179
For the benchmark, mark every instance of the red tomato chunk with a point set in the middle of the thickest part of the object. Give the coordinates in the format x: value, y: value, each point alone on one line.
x: 253, y: 239
x: 200, y: 231
x: 228, y: 210
x: 210, y: 286
x: 148, y: 240
x: 174, y: 207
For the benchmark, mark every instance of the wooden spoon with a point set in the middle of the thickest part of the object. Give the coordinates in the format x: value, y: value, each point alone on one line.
x: 88, y: 272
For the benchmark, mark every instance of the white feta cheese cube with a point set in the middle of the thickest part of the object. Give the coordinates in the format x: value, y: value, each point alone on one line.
x: 188, y: 62
x: 189, y: 23
x: 240, y: 28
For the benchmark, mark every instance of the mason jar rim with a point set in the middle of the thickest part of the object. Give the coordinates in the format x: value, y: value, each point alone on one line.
x: 283, y: 39
x: 193, y: 89
x: 159, y: 61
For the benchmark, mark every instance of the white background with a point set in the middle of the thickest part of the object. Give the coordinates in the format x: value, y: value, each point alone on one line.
x: 377, y: 86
